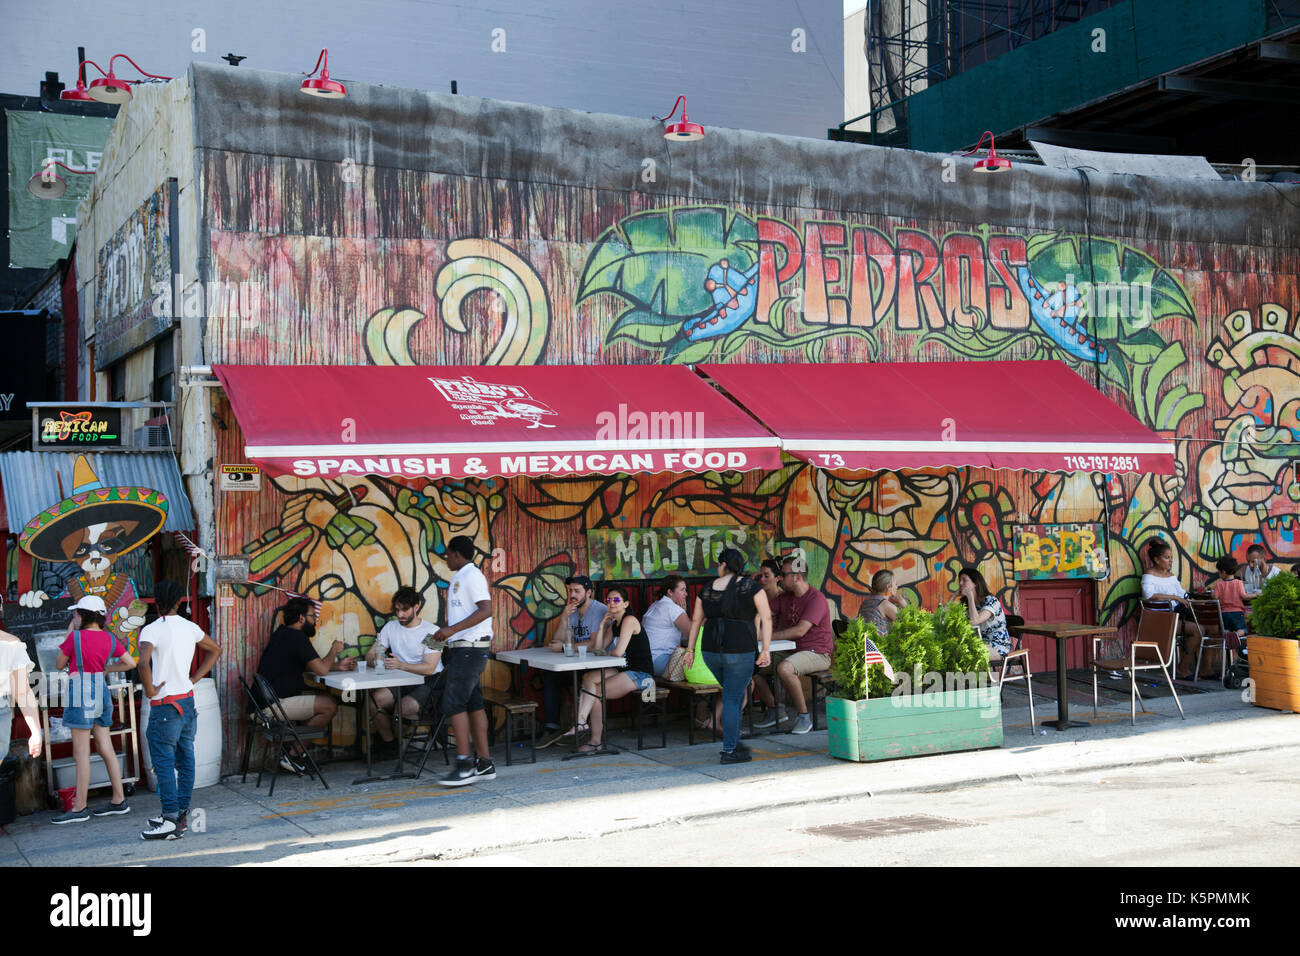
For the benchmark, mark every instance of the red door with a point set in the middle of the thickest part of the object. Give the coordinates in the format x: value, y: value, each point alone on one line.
x: 1064, y: 600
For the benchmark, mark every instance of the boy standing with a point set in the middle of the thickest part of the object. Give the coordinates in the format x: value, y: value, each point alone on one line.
x: 468, y: 635
x: 166, y: 650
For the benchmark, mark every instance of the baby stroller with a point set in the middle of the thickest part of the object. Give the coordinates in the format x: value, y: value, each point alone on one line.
x: 1239, y: 670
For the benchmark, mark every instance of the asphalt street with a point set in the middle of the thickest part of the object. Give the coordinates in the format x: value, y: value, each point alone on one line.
x: 1212, y: 811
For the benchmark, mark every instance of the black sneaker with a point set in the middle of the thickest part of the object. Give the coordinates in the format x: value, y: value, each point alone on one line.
x: 71, y: 816
x: 485, y: 769
x: 461, y: 774
x: 165, y: 830
x: 737, y: 756
x: 112, y: 809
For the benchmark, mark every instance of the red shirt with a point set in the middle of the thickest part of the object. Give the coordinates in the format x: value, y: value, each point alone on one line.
x: 788, y: 611
x: 96, y: 648
x: 1231, y: 594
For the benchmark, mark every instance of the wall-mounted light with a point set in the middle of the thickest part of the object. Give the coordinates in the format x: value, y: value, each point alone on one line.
x: 47, y: 184
x: 685, y: 131
x: 110, y: 89
x: 991, y: 163
x: 323, y: 85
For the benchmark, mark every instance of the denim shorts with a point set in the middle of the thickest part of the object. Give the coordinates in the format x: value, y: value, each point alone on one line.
x: 89, y: 703
x: 641, y: 679
x: 6, y: 724
x: 463, y: 669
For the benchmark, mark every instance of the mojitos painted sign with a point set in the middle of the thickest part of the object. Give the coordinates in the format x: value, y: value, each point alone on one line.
x: 1046, y: 551
x: 633, y: 553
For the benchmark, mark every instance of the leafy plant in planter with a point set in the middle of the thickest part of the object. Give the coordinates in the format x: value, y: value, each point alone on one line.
x: 1276, y: 612
x: 862, y: 727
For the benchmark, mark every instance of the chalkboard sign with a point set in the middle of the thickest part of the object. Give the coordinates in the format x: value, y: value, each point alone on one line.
x: 25, y: 623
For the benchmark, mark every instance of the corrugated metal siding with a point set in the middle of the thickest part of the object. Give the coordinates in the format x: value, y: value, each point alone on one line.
x: 30, y: 482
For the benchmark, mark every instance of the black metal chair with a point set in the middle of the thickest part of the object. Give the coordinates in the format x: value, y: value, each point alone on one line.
x: 266, y: 716
x: 428, y: 729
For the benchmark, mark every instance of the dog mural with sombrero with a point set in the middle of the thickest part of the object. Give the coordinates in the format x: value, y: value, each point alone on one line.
x: 93, y: 528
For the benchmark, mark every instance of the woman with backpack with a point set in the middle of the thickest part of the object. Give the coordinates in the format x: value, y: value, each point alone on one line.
x: 86, y: 653
x: 737, y: 622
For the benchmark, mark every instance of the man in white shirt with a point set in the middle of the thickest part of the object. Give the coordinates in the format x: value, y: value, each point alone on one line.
x: 166, y: 650
x: 402, y: 641
x: 469, y: 636
x: 1256, y: 571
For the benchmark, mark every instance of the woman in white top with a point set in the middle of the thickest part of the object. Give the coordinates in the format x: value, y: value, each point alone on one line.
x: 1160, y: 583
x: 14, y: 688
x: 666, y: 623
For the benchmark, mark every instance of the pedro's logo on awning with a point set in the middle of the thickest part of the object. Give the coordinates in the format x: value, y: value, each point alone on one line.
x: 484, y: 403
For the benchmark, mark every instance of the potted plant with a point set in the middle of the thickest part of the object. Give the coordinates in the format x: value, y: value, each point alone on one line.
x: 938, y: 702
x: 1274, y: 645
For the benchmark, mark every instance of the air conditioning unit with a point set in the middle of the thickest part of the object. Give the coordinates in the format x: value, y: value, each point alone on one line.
x: 152, y: 436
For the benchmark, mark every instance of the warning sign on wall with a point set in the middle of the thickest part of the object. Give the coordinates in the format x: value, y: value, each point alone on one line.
x: 241, y: 478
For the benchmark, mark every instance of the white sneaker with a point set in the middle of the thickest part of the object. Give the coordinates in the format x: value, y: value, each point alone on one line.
x: 166, y: 830
x: 802, y: 724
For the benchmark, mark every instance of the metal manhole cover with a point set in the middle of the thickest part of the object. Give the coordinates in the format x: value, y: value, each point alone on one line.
x: 888, y: 826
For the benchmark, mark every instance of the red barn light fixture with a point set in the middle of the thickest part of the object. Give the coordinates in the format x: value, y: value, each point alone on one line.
x: 991, y: 163
x: 323, y: 86
x: 685, y: 131
x: 110, y: 89
x: 80, y: 93
x: 47, y: 184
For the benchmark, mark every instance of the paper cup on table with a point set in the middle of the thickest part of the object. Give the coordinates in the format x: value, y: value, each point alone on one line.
x: 361, y: 667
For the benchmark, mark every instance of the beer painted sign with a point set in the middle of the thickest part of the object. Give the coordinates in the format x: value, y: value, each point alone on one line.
x: 1047, y: 551
x: 630, y: 554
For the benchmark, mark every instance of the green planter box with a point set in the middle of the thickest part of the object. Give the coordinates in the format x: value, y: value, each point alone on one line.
x: 937, y: 723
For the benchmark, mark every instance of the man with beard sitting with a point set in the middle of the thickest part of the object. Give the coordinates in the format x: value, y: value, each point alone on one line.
x: 288, y: 653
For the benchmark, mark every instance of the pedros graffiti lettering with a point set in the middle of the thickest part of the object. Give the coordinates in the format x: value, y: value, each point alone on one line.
x: 701, y: 282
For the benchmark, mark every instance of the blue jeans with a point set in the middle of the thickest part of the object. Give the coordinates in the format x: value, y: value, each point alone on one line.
x: 171, y: 747
x: 735, y: 671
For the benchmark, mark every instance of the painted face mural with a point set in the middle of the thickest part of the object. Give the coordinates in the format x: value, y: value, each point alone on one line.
x: 92, y: 529
x: 1248, y: 479
x: 707, y: 282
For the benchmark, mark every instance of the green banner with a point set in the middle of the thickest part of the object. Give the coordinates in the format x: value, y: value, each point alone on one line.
x: 41, y: 230
x: 633, y: 553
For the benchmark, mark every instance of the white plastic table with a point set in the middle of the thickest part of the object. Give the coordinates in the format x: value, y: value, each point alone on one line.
x: 370, y: 680
x: 548, y: 660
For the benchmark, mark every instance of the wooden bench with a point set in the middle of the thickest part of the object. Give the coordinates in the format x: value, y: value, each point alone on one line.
x: 692, y: 693
x: 658, y: 708
x: 817, y: 681
x: 515, y: 708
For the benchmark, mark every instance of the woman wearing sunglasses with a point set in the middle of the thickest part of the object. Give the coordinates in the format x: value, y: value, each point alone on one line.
x: 621, y: 635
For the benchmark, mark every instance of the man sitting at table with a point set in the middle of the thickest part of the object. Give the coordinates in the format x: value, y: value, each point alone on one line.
x: 288, y: 653
x: 801, y: 614
x: 402, y: 641
x: 580, y: 621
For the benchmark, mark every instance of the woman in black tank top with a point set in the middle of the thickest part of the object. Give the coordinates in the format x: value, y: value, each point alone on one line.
x: 621, y: 635
x: 736, y: 621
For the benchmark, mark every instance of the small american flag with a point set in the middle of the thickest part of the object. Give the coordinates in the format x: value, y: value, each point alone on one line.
x: 314, y: 602
x: 873, y: 654
x: 190, y: 547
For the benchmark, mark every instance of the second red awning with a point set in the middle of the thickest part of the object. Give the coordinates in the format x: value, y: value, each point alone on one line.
x: 325, y: 421
x: 1035, y: 415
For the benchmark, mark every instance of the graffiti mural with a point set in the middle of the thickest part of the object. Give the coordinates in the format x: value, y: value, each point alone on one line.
x: 1201, y: 345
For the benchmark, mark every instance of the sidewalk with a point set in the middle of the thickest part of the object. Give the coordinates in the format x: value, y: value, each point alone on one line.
x: 553, y: 800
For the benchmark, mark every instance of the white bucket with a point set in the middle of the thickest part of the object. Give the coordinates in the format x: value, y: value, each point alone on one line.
x: 207, y: 737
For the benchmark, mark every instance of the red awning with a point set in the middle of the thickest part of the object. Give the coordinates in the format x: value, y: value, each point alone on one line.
x: 1039, y: 416
x: 472, y: 421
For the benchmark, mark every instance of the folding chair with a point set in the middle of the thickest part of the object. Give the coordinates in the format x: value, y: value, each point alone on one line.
x: 434, y: 737
x: 1020, y: 656
x: 276, y: 730
x: 1153, y: 649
